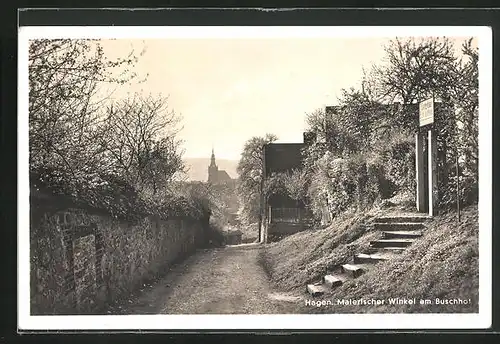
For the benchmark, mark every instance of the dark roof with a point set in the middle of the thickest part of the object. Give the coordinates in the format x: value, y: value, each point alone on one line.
x: 222, y: 176
x: 282, y: 157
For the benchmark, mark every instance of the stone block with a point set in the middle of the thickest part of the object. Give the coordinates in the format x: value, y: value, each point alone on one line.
x: 391, y: 243
x: 316, y: 289
x: 352, y: 270
x: 332, y: 281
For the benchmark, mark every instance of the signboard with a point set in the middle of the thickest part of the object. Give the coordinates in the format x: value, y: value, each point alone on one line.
x: 426, y: 112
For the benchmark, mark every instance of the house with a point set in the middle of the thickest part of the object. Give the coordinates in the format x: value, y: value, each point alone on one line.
x: 281, y: 214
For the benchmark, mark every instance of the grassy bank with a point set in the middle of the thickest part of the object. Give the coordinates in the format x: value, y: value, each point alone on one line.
x: 250, y: 233
x: 441, y: 264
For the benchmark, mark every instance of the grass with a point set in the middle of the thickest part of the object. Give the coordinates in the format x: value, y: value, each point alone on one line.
x: 441, y: 264
x: 250, y: 232
x: 305, y: 257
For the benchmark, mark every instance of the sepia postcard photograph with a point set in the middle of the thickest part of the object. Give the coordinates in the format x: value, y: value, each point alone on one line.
x: 176, y: 178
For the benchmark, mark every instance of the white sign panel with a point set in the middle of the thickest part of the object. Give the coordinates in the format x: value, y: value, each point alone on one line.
x: 426, y: 111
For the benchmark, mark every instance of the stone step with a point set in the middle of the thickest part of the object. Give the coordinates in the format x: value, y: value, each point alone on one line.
x: 371, y: 250
x: 402, y: 226
x: 401, y: 234
x: 394, y: 249
x: 353, y: 270
x: 332, y: 281
x: 361, y: 258
x: 399, y: 219
x: 317, y: 289
x: 391, y: 243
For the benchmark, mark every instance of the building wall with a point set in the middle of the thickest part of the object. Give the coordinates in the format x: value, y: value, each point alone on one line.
x: 279, y: 228
x: 222, y: 176
x: 217, y: 176
x: 80, y: 261
x: 212, y: 174
x: 281, y: 157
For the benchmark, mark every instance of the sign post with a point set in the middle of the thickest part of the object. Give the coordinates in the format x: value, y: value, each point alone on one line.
x: 432, y: 172
x: 426, y: 112
x: 420, y: 173
x: 426, y: 121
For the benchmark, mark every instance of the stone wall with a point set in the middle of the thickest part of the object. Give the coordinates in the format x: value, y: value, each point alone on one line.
x: 81, y: 261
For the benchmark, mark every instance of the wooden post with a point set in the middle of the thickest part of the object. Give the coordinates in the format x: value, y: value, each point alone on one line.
x: 432, y: 151
x: 263, y: 203
x: 419, y: 165
x: 261, y: 210
x: 268, y: 224
x: 260, y: 226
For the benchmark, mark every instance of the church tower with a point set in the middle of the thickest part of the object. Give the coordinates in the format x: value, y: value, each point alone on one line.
x: 212, y: 169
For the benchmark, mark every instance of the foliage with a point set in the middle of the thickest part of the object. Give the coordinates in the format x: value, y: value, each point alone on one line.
x: 140, y: 141
x: 293, y: 184
x: 337, y: 183
x: 250, y: 171
x: 396, y: 157
x: 273, y: 185
x: 64, y: 84
x: 417, y: 69
x: 465, y: 96
x: 465, y: 141
x: 296, y: 184
x: 215, y: 233
x: 414, y: 70
x: 119, y: 156
x: 365, y: 146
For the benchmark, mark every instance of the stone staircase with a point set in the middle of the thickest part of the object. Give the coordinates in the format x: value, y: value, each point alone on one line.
x: 396, y: 234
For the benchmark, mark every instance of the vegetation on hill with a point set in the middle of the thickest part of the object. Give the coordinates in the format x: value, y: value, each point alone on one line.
x: 442, y: 264
x: 363, y: 157
x: 364, y: 147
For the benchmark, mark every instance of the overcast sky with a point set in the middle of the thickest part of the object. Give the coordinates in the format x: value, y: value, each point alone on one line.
x: 229, y: 90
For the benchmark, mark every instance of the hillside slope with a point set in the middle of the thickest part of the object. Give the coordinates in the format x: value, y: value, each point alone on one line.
x: 443, y: 264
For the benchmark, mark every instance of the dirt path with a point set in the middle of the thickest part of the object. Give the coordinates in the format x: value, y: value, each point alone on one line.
x: 215, y: 281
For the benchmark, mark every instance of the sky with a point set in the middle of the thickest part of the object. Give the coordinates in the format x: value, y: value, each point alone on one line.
x: 228, y: 90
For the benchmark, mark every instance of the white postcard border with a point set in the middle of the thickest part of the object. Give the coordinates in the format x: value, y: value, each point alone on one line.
x: 315, y: 322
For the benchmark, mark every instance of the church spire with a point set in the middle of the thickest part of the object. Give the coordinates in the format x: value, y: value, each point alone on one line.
x: 212, y: 158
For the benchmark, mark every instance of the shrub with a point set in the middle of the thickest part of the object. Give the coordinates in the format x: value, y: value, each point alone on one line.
x: 215, y: 233
x: 468, y: 192
x: 396, y: 157
x: 334, y: 184
x: 113, y: 195
x: 338, y: 183
x: 109, y: 193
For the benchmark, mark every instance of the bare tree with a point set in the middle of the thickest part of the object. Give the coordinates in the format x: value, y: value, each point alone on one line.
x: 348, y: 127
x: 413, y: 70
x: 142, y: 140
x: 465, y: 97
x: 64, y: 102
